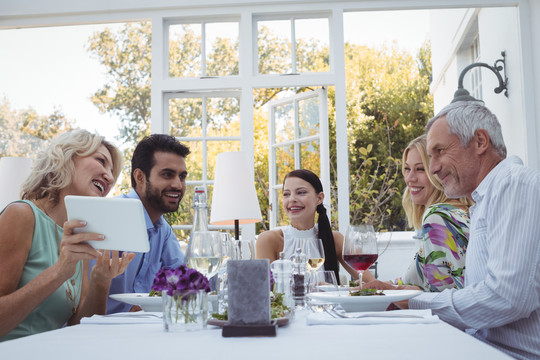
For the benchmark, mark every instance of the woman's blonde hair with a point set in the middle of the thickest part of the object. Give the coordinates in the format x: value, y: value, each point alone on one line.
x: 415, y: 212
x: 53, y: 168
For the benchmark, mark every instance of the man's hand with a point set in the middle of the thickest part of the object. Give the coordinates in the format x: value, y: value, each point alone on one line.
x: 398, y: 305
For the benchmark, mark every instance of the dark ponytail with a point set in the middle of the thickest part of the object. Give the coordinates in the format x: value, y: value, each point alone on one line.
x: 327, y: 237
x: 325, y: 230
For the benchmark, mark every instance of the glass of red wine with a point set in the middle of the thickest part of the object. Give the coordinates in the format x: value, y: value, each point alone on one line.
x: 360, y: 248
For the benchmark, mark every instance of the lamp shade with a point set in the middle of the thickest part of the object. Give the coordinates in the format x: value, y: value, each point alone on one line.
x: 234, y: 196
x: 13, y: 172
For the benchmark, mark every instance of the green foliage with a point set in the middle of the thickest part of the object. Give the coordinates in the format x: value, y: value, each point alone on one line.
x: 127, y: 56
x: 388, y: 104
x: 24, y: 132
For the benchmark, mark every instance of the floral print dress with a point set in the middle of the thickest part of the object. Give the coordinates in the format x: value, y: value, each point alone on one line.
x: 440, y: 261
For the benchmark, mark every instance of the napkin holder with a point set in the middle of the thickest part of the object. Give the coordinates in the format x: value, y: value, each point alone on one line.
x: 249, y: 299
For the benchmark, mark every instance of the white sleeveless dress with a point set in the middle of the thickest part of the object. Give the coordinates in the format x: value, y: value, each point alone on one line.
x: 293, y: 238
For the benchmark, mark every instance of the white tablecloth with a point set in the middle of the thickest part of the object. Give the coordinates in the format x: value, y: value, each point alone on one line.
x: 149, y: 341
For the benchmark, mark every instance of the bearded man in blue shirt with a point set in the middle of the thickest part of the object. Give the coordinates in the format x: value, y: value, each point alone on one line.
x: 158, y: 178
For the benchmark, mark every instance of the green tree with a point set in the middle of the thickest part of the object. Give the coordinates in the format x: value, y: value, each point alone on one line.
x: 388, y: 103
x: 24, y: 132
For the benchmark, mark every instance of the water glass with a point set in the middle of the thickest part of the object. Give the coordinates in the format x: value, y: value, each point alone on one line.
x: 204, y: 252
x: 244, y: 250
x: 323, y: 281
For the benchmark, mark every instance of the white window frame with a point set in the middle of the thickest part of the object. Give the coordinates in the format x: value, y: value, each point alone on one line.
x: 204, y: 138
x: 66, y: 12
x: 322, y: 137
x: 248, y: 79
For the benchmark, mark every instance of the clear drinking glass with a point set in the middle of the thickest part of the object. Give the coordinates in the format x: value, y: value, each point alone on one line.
x: 228, y: 253
x: 244, y: 250
x: 204, y: 252
x: 323, y: 281
x: 360, y: 248
x: 313, y: 248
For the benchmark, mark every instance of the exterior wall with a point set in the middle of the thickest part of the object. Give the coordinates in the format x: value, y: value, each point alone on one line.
x: 498, y: 30
x: 400, y: 250
x: 509, y: 110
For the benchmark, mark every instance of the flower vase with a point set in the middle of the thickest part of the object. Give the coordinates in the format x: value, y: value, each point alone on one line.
x: 185, y: 311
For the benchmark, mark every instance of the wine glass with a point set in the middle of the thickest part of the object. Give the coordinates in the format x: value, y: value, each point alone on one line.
x: 228, y: 253
x: 314, y: 250
x: 324, y: 281
x: 360, y: 248
x: 244, y: 250
x: 204, y: 252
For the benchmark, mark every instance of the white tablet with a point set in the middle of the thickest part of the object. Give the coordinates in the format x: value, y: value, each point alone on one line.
x: 121, y: 220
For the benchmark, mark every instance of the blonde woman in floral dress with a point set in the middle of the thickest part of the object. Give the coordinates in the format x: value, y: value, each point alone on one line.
x: 442, y: 222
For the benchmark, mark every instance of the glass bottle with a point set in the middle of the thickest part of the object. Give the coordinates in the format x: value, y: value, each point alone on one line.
x: 200, y: 210
x: 282, y: 270
x: 299, y: 262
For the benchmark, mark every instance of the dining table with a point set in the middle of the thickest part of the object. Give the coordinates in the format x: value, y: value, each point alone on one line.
x: 125, y: 337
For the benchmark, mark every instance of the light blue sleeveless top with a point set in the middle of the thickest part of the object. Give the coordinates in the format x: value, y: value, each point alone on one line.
x: 56, y: 310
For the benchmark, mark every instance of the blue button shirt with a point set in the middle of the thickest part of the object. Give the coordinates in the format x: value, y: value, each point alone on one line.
x: 139, y: 275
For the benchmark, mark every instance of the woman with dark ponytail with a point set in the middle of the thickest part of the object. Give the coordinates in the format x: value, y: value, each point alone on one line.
x: 303, y: 197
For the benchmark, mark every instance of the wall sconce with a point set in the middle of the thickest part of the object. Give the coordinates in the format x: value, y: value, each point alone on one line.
x: 500, y: 64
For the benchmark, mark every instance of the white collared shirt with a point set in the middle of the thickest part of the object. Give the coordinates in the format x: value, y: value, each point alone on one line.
x: 500, y: 303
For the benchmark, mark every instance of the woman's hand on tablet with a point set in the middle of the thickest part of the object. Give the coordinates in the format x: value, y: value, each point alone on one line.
x: 73, y: 247
x: 111, y: 264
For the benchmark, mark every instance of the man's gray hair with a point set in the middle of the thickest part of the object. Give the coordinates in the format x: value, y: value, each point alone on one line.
x: 465, y: 117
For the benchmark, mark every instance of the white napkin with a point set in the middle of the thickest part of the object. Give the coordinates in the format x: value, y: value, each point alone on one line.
x: 375, y: 317
x: 139, y: 317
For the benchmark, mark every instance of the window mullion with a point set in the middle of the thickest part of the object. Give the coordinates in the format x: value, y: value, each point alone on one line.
x: 203, y: 49
x: 293, y: 47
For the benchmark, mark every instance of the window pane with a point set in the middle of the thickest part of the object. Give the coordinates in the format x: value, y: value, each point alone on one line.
x: 221, y: 49
x: 310, y: 156
x: 194, y: 160
x: 209, y: 194
x: 216, y: 147
x: 185, y: 117
x: 284, y: 122
x: 308, y: 113
x: 282, y: 219
x: 223, y: 117
x: 284, y: 162
x: 274, y: 46
x: 185, y: 50
x: 312, y: 44
x: 187, y: 204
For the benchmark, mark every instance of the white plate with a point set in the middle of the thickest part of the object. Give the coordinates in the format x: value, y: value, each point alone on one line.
x: 147, y: 303
x: 153, y: 303
x: 364, y: 303
x: 333, y: 288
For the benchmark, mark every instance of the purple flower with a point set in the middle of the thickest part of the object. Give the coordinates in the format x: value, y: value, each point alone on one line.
x: 271, y: 281
x: 180, y: 280
x: 160, y: 281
